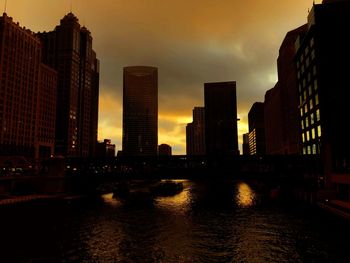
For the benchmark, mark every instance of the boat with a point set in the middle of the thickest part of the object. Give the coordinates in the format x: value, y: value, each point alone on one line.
x: 166, y: 188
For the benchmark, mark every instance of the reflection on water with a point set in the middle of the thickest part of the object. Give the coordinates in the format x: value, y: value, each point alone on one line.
x: 206, y: 222
x: 245, y: 195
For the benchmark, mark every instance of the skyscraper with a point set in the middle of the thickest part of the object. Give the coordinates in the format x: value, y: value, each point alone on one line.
x: 195, y: 133
x: 282, y: 126
x: 140, y: 111
x: 256, y: 129
x: 221, y: 118
x: 323, y: 82
x: 27, y: 94
x: 68, y: 49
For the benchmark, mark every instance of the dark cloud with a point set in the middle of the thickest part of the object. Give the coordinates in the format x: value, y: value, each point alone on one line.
x: 190, y: 41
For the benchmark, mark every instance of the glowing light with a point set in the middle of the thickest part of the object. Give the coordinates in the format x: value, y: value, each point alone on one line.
x: 245, y: 196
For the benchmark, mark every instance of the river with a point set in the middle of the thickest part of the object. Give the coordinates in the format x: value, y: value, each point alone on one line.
x: 207, y: 222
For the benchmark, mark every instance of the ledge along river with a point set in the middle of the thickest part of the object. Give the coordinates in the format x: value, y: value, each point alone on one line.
x: 226, y: 221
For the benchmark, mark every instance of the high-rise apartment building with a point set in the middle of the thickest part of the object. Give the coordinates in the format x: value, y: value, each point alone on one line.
x: 221, y: 118
x: 27, y: 94
x: 322, y: 58
x: 256, y: 122
x: 195, y: 133
x: 140, y: 111
x: 68, y: 49
x: 282, y: 128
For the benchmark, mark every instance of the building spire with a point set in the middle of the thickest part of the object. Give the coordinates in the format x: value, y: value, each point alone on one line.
x: 5, y: 7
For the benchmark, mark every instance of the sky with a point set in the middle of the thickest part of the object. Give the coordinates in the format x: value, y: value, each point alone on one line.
x: 190, y: 41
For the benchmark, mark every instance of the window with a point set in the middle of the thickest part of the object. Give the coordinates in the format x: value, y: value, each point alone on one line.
x: 303, y: 136
x: 315, y: 84
x: 312, y: 117
x: 313, y: 133
x: 307, y: 136
x: 305, y: 108
x: 316, y: 99
x: 318, y: 115
x: 319, y: 133
x: 314, y: 149
x: 311, y: 104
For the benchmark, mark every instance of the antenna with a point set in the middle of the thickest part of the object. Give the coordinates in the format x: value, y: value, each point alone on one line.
x: 5, y: 8
x: 71, y: 6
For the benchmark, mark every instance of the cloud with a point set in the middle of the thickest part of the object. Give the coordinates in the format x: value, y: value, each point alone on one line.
x: 190, y: 41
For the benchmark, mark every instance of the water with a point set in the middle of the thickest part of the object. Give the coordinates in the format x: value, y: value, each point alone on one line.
x: 207, y: 222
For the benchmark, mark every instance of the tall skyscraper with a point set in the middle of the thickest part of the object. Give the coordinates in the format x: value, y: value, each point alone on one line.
x: 68, y: 49
x: 221, y: 118
x: 282, y: 126
x: 140, y: 111
x: 323, y: 82
x: 27, y: 94
x: 195, y: 133
x: 256, y: 122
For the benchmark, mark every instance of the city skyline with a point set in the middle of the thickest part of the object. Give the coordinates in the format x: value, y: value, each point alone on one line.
x: 188, y: 54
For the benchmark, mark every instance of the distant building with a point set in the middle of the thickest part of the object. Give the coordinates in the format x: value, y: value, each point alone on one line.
x: 27, y: 94
x: 256, y: 122
x: 195, y: 133
x: 245, y: 145
x: 105, y: 149
x: 140, y: 111
x: 322, y: 60
x: 68, y: 49
x: 164, y: 150
x: 221, y: 118
x: 282, y: 126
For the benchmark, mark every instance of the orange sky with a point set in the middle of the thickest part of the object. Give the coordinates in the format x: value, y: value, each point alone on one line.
x: 190, y: 41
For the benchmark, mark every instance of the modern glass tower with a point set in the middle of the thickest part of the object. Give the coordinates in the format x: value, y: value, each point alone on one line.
x: 140, y: 111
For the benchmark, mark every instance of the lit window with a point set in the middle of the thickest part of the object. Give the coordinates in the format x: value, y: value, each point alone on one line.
x: 303, y: 136
x: 318, y: 115
x: 314, y: 149
x: 304, y: 151
x: 311, y: 104
x: 312, y: 119
x: 319, y: 133
x: 305, y: 108
x: 313, y: 133
x: 302, y: 125
x: 301, y: 112
x: 309, y: 149
x: 316, y: 99
x: 307, y: 136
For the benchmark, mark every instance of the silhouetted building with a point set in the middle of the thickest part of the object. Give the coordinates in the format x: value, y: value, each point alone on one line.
x: 245, y: 145
x: 323, y: 80
x: 256, y: 122
x: 282, y: 126
x: 68, y: 49
x: 195, y: 133
x: 221, y: 118
x: 164, y: 150
x: 105, y: 149
x: 140, y: 111
x: 27, y: 94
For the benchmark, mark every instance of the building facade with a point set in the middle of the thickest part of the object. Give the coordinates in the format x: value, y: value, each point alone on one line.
x: 321, y: 58
x: 105, y: 149
x: 140, y: 111
x: 164, y: 150
x: 27, y: 94
x: 221, y: 119
x: 256, y: 123
x: 195, y: 133
x: 282, y: 126
x: 68, y: 49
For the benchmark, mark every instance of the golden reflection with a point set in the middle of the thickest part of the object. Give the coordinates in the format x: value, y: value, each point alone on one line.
x: 179, y: 200
x: 108, y: 199
x: 245, y: 195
